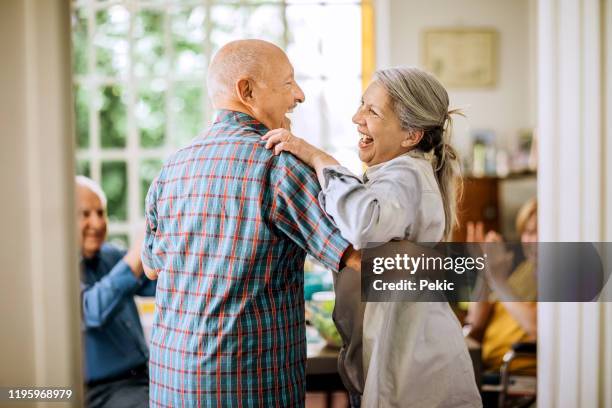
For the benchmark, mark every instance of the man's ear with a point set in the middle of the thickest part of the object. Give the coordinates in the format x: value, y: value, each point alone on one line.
x: 244, y: 90
x: 413, y: 138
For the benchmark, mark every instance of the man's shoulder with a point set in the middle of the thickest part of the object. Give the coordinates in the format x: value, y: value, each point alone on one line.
x: 231, y: 128
x: 111, y: 253
x: 220, y: 134
x: 293, y: 176
x: 289, y: 161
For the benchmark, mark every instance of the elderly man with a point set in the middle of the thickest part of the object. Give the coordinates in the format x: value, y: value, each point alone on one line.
x: 228, y: 228
x: 115, y: 350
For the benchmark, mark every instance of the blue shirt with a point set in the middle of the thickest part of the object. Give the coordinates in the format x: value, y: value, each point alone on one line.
x: 113, y: 336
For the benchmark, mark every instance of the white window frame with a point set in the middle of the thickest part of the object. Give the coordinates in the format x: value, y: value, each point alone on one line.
x: 133, y: 153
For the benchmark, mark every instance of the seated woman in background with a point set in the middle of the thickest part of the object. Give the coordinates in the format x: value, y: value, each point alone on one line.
x: 502, y: 320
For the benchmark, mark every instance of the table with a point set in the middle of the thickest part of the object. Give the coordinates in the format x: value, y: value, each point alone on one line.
x: 321, y: 359
x: 322, y: 369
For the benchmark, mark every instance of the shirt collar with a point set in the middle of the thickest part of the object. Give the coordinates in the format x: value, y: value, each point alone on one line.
x: 373, y: 170
x: 90, y: 264
x: 241, y: 119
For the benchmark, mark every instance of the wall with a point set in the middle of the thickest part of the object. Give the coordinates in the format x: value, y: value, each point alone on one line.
x: 39, y: 296
x: 505, y: 108
x: 16, y: 334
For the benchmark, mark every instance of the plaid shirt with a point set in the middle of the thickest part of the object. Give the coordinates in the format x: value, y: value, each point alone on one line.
x: 228, y: 228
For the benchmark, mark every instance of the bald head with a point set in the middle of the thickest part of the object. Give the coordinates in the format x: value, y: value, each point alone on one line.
x: 240, y: 59
x: 254, y: 77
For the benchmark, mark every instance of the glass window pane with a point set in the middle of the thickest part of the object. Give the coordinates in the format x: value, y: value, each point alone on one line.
x: 167, y: 40
x: 79, y: 41
x: 325, y: 118
x: 187, y: 31
x: 149, y: 43
x: 120, y: 240
x: 308, y: 119
x: 150, y: 114
x: 324, y: 2
x: 114, y: 184
x: 113, y: 124
x: 148, y: 171
x: 234, y: 22
x: 342, y: 98
x: 110, y: 40
x: 81, y: 106
x: 187, y: 111
x: 83, y: 168
x: 317, y: 47
x: 254, y: 2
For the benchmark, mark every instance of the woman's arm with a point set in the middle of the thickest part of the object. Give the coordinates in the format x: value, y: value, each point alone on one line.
x: 526, y: 314
x: 282, y: 140
x: 478, y: 317
x: 372, y: 213
x: 364, y: 214
x: 496, y: 276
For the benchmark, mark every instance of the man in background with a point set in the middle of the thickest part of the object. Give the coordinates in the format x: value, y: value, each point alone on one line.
x: 116, y: 353
x: 228, y: 228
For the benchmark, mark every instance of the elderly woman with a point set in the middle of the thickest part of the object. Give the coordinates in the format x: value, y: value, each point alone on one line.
x: 414, y: 354
x: 508, y: 314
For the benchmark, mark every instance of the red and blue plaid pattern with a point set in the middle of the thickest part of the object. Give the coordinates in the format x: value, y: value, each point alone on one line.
x: 228, y: 228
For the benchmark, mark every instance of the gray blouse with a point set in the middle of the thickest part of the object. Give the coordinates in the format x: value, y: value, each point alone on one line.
x: 396, y: 200
x: 394, y: 345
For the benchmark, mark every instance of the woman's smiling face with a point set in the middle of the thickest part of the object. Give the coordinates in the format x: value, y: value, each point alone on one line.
x: 379, y: 127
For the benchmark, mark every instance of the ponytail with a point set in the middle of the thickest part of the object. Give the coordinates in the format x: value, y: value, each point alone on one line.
x: 448, y: 174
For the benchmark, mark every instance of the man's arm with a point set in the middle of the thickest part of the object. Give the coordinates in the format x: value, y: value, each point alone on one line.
x: 135, y: 260
x: 478, y: 318
x: 132, y: 258
x: 298, y: 215
x: 351, y: 259
x: 100, y: 300
x: 149, y: 272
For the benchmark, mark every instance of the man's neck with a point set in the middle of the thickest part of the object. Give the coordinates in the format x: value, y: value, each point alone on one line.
x: 235, y: 106
x: 238, y: 106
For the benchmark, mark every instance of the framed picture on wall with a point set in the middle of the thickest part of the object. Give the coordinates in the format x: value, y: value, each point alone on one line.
x: 462, y: 57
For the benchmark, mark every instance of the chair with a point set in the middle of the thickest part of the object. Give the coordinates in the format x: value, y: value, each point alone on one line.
x: 514, y: 389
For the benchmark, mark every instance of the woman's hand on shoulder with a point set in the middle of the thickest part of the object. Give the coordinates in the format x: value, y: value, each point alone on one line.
x: 282, y: 140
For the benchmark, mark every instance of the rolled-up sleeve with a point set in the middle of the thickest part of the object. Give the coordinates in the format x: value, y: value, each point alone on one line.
x: 373, y: 213
x: 100, y: 300
x: 147, y: 286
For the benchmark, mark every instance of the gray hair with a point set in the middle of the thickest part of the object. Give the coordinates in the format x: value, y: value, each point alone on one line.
x: 421, y: 103
x: 92, y: 186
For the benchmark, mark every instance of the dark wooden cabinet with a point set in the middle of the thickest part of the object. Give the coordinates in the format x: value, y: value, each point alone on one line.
x: 479, y: 202
x: 494, y: 201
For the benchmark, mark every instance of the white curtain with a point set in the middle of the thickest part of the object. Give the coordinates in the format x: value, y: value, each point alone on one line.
x: 574, y: 191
